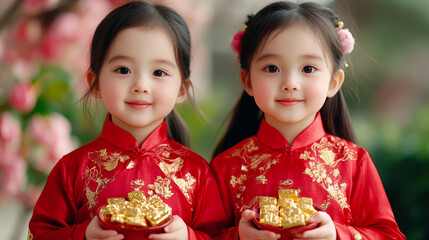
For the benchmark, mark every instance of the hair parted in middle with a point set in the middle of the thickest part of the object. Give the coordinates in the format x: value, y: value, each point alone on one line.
x: 144, y: 15
x: 246, y: 115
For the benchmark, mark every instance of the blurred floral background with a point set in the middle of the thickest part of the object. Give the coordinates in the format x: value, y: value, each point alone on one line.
x: 44, y: 57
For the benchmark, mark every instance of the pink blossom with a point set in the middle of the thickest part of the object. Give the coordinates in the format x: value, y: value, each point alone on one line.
x: 23, y: 97
x: 14, y: 170
x: 54, y: 132
x: 50, y: 46
x: 10, y: 129
x: 66, y: 26
x: 236, y: 42
x: 36, y: 6
x: 347, y: 40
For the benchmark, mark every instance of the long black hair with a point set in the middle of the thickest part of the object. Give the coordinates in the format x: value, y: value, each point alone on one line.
x: 246, y: 115
x: 142, y: 14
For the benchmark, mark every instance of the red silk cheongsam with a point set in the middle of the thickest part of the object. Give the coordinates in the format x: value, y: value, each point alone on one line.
x: 113, y: 165
x: 339, y: 176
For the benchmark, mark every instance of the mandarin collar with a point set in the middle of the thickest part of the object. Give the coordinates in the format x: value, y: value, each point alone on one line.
x: 123, y: 139
x: 274, y: 139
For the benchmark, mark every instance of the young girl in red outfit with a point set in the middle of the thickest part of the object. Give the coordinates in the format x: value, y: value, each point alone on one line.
x: 139, y: 68
x: 291, y: 129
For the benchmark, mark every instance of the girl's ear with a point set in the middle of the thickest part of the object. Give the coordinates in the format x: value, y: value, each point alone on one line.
x: 245, y: 80
x: 90, y: 78
x: 183, y: 92
x: 336, y: 83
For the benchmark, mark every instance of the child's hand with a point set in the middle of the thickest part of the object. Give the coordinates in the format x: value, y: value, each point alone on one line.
x: 177, y: 229
x: 247, y: 230
x: 95, y: 232
x: 325, y: 230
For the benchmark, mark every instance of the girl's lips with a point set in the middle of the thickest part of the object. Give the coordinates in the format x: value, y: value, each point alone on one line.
x: 289, y: 101
x: 139, y: 105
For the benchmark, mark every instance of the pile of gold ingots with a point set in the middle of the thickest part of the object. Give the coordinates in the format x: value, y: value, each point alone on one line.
x: 288, y: 211
x: 136, y: 211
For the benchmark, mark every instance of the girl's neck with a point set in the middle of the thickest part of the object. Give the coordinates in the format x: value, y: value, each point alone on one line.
x: 290, y: 130
x: 139, y: 133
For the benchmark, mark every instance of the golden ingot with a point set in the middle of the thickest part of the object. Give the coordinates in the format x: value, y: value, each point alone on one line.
x: 269, y: 208
x: 112, y: 201
x: 137, y: 221
x: 267, y: 200
x: 306, y: 205
x: 288, y: 211
x: 289, y: 193
x: 138, y: 195
x: 271, y: 218
x: 287, y: 202
x: 139, y: 211
x: 294, y: 221
x: 158, y: 216
x: 118, y: 217
x: 109, y: 210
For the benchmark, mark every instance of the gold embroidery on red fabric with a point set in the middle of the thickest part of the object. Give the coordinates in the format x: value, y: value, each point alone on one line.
x: 29, y: 235
x: 331, y: 151
x: 325, y: 204
x: 356, y: 234
x: 288, y: 183
x: 108, y: 160
x: 170, y: 166
x: 247, y: 148
x: 94, y: 182
x: 234, y: 180
x: 261, y: 179
x: 251, y: 204
x: 185, y: 185
x: 253, y: 167
x: 130, y: 165
x: 137, y: 184
x: 162, y: 187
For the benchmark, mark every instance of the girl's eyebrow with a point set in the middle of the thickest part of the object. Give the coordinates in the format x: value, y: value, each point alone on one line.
x: 267, y: 55
x: 158, y: 61
x: 304, y: 56
x: 118, y: 57
x: 312, y: 57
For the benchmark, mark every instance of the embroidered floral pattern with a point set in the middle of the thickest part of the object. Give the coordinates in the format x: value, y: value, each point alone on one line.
x: 94, y: 182
x: 253, y: 167
x: 234, y: 180
x: 130, y: 165
x: 162, y: 187
x: 288, y: 183
x: 185, y: 185
x: 170, y: 165
x: 331, y: 151
x: 108, y: 160
x: 137, y: 184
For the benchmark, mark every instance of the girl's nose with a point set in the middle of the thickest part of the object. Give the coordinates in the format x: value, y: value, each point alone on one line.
x: 289, y: 83
x: 141, y: 85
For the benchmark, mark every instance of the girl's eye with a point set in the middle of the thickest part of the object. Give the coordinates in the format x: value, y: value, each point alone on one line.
x: 123, y: 70
x: 308, y: 69
x: 159, y: 73
x: 272, y: 69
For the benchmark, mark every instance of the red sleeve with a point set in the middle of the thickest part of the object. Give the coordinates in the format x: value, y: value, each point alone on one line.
x: 372, y: 215
x: 222, y: 180
x: 54, y: 216
x: 209, y: 217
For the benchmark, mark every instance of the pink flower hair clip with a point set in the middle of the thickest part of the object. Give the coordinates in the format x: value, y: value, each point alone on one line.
x: 236, y: 41
x: 346, y: 37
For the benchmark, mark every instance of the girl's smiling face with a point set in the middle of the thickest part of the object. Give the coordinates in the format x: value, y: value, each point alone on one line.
x: 140, y: 81
x: 290, y: 77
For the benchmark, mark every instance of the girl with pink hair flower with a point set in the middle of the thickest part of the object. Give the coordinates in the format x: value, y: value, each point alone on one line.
x: 291, y: 130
